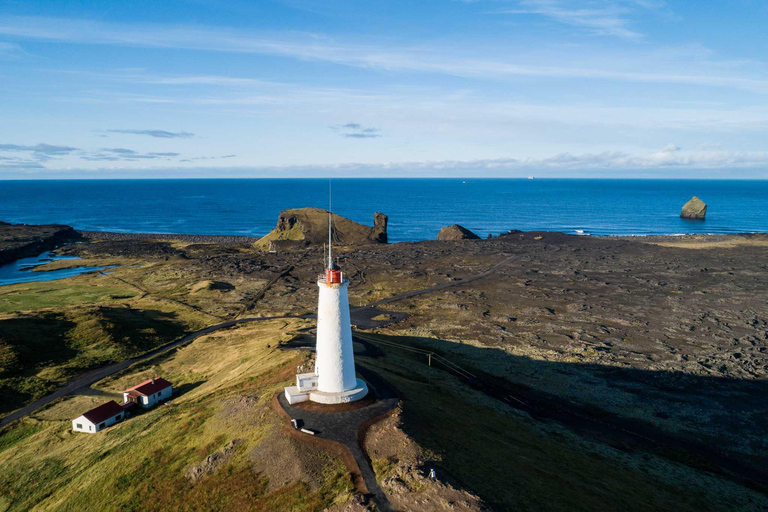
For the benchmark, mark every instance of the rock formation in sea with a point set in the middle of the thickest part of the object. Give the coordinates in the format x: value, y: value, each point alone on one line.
x: 456, y: 232
x: 694, y: 209
x: 303, y: 226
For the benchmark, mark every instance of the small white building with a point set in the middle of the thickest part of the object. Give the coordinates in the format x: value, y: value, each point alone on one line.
x: 148, y: 393
x: 305, y: 384
x: 99, y: 418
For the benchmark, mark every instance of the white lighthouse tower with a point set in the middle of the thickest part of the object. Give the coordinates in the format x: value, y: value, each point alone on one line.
x: 334, y: 380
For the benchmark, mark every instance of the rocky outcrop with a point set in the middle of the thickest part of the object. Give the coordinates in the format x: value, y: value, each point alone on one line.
x: 22, y: 240
x: 302, y: 226
x: 213, y: 461
x: 379, y: 231
x: 694, y: 209
x: 456, y: 232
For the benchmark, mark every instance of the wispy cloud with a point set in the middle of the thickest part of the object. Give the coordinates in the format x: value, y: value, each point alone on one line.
x: 40, y: 152
x: 197, y: 158
x: 42, y: 149
x: 21, y: 165
x: 123, y: 154
x: 356, y: 131
x: 161, y: 134
x: 564, y: 162
x: 608, y: 18
x: 561, y: 164
x: 389, y: 58
x: 11, y: 51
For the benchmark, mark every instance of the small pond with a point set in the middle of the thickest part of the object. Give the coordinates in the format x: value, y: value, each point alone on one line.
x: 22, y: 271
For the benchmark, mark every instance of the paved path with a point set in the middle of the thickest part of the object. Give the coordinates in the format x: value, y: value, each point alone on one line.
x: 344, y: 428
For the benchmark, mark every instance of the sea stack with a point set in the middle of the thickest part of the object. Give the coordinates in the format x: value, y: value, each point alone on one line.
x: 695, y: 209
x: 334, y: 380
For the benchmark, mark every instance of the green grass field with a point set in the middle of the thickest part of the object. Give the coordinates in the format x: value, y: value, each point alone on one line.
x: 53, y: 331
x: 52, y: 294
x: 142, y: 463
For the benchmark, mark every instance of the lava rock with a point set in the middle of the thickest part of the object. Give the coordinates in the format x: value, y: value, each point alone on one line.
x: 456, y: 232
x: 695, y: 209
x: 23, y: 240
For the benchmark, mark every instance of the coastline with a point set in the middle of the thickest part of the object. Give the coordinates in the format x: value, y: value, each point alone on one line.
x: 247, y: 240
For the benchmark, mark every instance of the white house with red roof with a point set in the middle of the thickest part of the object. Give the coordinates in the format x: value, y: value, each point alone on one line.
x: 148, y: 393
x: 99, y: 418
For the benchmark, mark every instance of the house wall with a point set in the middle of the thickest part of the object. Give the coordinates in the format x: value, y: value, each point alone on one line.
x: 85, y: 425
x: 149, y: 401
x: 90, y: 428
x: 110, y: 421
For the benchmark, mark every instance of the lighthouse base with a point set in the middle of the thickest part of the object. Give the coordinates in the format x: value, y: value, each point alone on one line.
x: 343, y: 397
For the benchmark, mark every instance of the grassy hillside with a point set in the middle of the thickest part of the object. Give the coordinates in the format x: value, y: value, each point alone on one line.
x: 53, y: 331
x: 516, y: 463
x: 225, y: 384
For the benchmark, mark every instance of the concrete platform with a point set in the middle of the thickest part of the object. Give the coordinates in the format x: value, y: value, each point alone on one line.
x: 294, y: 396
x: 359, y: 391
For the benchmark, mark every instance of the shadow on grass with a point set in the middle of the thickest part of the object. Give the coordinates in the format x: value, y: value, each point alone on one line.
x: 28, y: 344
x: 186, y: 388
x: 697, y: 421
x: 139, y: 330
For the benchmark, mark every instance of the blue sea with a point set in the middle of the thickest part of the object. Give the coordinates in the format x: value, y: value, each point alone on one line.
x: 417, y: 208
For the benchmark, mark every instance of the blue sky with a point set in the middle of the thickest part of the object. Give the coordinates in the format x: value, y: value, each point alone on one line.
x: 591, y: 88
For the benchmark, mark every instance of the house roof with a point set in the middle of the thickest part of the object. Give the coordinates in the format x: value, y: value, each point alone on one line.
x: 149, y: 387
x: 103, y: 412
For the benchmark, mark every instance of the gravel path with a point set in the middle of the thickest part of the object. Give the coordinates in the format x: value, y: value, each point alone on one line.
x: 344, y: 427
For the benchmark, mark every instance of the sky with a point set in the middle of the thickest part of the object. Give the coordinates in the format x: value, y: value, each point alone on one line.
x: 383, y: 88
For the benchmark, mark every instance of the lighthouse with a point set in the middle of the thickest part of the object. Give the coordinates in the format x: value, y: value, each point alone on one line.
x: 334, y: 380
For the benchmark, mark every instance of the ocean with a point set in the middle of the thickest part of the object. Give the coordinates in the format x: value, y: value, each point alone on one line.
x: 417, y: 208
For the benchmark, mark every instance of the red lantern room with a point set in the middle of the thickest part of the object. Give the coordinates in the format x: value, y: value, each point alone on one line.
x: 333, y: 275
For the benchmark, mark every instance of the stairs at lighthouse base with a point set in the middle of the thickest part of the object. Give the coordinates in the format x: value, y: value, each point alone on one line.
x: 343, y: 397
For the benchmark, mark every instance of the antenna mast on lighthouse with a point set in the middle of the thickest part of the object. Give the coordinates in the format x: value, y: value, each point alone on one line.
x: 330, y: 223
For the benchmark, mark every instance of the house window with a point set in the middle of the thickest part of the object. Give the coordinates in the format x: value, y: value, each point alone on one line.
x: 101, y: 425
x: 90, y: 427
x: 79, y: 425
x: 119, y: 417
